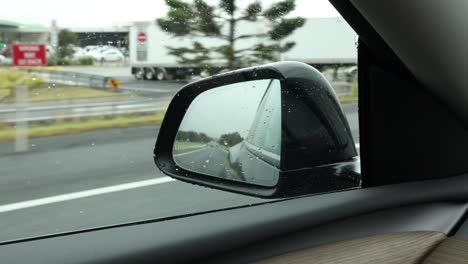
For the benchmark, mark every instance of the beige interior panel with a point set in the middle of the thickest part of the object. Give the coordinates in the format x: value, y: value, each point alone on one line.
x: 450, y: 251
x: 407, y: 247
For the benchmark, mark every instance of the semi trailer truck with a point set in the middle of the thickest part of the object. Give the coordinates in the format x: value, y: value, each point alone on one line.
x: 321, y: 42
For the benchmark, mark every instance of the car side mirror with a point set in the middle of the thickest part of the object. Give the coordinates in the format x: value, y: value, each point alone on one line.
x: 271, y: 131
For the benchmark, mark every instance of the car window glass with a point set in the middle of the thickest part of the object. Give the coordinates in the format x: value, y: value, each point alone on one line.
x: 84, y: 90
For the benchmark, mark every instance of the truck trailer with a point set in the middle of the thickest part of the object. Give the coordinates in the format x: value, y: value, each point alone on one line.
x: 321, y: 42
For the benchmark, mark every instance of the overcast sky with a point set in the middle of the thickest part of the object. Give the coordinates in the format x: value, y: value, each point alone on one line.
x: 229, y: 109
x: 105, y: 13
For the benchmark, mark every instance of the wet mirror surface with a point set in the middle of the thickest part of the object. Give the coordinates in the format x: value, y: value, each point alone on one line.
x: 233, y: 132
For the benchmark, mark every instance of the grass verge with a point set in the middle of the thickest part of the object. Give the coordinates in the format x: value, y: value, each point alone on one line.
x: 52, y: 93
x: 353, y: 96
x: 77, y: 125
x: 4, y: 93
x: 348, y: 99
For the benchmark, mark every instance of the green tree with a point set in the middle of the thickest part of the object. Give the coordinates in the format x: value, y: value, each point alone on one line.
x: 66, y: 39
x: 221, y: 22
x: 230, y: 139
x: 193, y: 136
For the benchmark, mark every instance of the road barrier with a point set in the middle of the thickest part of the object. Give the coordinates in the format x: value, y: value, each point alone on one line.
x: 55, y: 112
x: 77, y: 79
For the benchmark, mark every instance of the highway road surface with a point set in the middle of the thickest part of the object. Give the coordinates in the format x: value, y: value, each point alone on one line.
x: 208, y: 159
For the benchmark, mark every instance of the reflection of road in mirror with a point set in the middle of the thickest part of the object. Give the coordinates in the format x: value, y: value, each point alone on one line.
x: 208, y: 159
x: 209, y: 156
x: 212, y: 137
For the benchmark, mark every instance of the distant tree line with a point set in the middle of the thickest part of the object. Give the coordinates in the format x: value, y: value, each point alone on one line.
x: 193, y: 136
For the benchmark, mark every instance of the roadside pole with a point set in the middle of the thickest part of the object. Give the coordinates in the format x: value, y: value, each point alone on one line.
x: 25, y: 54
x: 21, y: 143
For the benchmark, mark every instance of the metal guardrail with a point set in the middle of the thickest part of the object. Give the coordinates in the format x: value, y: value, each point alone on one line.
x: 77, y: 79
x: 62, y: 111
x: 83, y: 112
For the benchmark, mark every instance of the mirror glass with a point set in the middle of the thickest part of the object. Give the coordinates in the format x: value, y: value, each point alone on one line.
x: 233, y: 132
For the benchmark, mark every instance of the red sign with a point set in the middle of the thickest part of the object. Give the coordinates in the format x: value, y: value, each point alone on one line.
x: 29, y: 54
x: 142, y: 37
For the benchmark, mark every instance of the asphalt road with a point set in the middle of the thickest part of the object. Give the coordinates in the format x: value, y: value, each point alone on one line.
x: 209, y: 160
x: 66, y: 164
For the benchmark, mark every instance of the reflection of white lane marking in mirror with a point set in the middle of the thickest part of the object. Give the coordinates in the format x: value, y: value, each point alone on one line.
x: 190, y: 152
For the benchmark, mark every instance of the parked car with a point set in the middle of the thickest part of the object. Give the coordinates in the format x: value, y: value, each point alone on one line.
x: 111, y: 55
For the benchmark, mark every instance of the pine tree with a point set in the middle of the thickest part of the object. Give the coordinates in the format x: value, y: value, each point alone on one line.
x: 199, y: 20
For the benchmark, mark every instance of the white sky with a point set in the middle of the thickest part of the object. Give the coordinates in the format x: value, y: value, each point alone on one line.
x: 105, y: 13
x: 233, y: 110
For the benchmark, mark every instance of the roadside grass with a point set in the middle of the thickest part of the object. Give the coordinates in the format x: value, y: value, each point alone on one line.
x: 4, y: 93
x: 52, y: 93
x: 348, y: 99
x: 39, y: 90
x: 353, y: 97
x: 44, y: 68
x: 77, y: 125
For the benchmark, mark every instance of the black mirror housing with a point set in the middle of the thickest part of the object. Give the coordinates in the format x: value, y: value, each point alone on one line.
x: 317, y: 150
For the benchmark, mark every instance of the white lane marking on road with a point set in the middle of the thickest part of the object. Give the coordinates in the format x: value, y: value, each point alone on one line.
x: 88, y: 193
x: 190, y: 152
x: 82, y: 194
